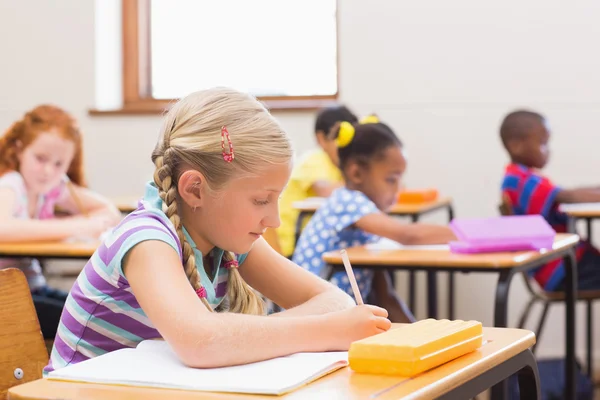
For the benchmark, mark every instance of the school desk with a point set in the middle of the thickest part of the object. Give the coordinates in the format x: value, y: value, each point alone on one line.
x: 414, y: 211
x: 506, y: 265
x: 587, y: 212
x: 70, y: 249
x: 505, y: 352
x: 126, y: 204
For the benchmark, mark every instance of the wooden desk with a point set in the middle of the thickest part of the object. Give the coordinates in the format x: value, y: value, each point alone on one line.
x: 64, y: 250
x: 587, y: 212
x: 504, y: 264
x: 310, y: 206
x: 414, y: 211
x: 126, y: 204
x: 505, y: 353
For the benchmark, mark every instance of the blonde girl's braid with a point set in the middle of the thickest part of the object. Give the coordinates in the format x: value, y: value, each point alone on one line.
x: 243, y: 299
x: 167, y: 190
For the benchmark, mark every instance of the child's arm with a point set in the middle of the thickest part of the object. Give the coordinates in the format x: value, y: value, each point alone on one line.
x: 19, y: 230
x: 290, y: 286
x: 206, y: 340
x: 91, y: 203
x: 383, y: 225
x: 583, y: 195
x: 323, y: 188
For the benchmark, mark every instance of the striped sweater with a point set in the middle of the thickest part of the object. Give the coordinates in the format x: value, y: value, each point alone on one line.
x: 101, y: 313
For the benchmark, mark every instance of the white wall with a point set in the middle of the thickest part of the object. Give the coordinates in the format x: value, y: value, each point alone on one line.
x: 441, y: 73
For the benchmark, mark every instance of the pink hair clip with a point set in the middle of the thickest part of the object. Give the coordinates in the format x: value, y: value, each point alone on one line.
x: 231, y: 264
x: 228, y: 157
x: 201, y: 292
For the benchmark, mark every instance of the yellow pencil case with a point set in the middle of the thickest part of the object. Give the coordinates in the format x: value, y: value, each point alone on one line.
x: 414, y: 348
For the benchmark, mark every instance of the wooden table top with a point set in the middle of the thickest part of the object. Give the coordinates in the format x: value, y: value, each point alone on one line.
x: 444, y: 258
x: 55, y: 249
x: 500, y: 344
x: 581, y: 210
x: 312, y: 205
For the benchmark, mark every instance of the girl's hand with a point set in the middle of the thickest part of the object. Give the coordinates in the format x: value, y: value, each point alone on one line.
x: 347, y: 326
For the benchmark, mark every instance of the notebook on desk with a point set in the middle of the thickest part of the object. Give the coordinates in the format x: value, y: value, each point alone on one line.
x: 573, y: 207
x: 499, y: 234
x: 154, y: 364
x: 388, y: 244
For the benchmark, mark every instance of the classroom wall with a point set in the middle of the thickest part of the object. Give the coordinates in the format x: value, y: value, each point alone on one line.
x: 441, y: 73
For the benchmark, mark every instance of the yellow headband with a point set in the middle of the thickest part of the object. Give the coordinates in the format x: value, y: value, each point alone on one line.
x: 369, y: 119
x: 347, y: 131
x: 345, y: 134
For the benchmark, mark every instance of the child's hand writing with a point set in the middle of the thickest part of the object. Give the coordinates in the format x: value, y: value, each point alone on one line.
x: 356, y: 323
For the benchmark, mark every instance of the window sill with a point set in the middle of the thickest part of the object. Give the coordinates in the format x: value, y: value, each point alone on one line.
x: 159, y: 107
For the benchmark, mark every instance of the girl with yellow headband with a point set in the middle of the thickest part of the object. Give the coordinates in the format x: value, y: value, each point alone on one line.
x: 372, y: 163
x: 316, y: 174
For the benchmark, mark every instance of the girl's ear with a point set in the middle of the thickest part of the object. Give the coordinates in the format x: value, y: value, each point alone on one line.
x: 354, y: 173
x: 192, y: 188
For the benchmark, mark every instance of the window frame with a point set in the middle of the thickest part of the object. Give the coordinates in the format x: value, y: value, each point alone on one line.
x: 137, y: 70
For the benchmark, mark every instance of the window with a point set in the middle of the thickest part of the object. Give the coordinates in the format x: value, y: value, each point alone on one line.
x: 283, y: 51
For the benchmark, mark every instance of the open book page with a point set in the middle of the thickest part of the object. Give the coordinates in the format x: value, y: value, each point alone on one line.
x: 154, y: 364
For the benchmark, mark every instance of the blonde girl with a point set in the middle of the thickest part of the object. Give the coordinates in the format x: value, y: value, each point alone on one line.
x: 188, y: 264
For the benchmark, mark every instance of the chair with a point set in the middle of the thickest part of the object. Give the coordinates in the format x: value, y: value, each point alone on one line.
x: 548, y: 298
x: 23, y: 353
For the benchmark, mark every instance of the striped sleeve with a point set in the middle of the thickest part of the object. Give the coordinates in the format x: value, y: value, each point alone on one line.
x: 538, y: 195
x: 137, y: 229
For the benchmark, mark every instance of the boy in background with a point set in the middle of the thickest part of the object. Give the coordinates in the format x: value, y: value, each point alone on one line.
x: 525, y: 136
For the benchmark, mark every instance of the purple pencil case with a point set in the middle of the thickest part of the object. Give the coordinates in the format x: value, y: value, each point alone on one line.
x: 501, y: 234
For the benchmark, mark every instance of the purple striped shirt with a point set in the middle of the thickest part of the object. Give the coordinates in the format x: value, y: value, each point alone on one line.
x: 101, y: 313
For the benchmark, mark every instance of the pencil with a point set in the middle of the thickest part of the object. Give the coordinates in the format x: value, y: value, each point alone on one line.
x: 351, y: 278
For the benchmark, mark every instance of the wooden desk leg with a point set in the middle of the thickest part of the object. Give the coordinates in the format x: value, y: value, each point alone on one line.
x: 500, y: 390
x: 571, y: 224
x: 590, y: 339
x: 450, y: 275
x: 570, y: 263
x: 590, y: 318
x: 451, y: 296
x: 432, y: 295
x: 412, y: 303
x: 529, y: 378
x: 501, y: 302
x: 412, y: 281
x: 523, y: 363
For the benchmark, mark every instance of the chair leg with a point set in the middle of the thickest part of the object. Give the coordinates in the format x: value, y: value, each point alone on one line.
x: 540, y: 326
x: 526, y: 311
x: 590, y: 352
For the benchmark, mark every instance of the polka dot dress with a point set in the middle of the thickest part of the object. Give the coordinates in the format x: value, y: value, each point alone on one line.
x: 331, y: 228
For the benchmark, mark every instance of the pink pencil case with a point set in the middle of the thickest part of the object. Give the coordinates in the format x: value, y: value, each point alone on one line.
x: 501, y: 234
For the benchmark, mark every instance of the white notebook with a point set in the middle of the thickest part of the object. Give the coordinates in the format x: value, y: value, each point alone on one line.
x: 388, y: 244
x: 154, y: 364
x: 579, y: 207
